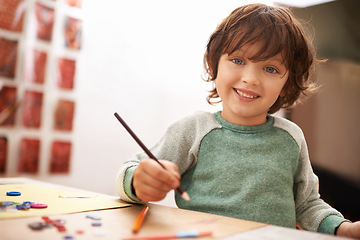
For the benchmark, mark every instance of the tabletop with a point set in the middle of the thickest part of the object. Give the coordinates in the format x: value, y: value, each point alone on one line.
x: 111, y: 222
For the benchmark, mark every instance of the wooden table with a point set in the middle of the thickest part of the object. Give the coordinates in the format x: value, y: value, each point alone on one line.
x: 117, y: 224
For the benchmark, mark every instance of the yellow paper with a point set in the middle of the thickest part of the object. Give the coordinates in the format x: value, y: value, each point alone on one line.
x: 68, y: 202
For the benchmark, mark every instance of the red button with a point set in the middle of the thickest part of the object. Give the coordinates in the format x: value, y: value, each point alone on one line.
x: 38, y: 205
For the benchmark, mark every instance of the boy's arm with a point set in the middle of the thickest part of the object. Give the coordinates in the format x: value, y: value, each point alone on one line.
x: 179, y: 145
x: 171, y: 147
x: 176, y: 145
x: 312, y: 212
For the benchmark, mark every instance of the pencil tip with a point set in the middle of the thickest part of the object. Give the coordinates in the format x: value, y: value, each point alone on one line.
x: 185, y: 196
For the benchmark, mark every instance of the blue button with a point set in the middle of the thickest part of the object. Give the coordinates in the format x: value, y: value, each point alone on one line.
x: 68, y: 236
x: 13, y: 193
x: 93, y: 217
x: 96, y: 224
x: 22, y: 207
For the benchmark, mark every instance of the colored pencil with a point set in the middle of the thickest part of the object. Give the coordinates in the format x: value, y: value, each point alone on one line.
x: 183, y: 234
x: 182, y: 192
x: 140, y: 219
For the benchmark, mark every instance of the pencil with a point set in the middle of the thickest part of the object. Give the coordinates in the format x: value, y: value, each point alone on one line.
x: 140, y: 219
x: 183, y: 234
x: 182, y: 192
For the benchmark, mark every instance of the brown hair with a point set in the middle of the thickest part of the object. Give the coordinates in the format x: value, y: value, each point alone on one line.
x: 278, y: 32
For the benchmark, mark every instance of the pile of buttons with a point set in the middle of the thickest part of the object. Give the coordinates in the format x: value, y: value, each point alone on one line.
x: 15, y: 206
x: 59, y: 224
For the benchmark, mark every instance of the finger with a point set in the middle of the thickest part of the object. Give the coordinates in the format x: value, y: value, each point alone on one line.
x: 151, y: 198
x: 143, y: 178
x: 148, y: 193
x: 156, y: 171
x: 171, y: 167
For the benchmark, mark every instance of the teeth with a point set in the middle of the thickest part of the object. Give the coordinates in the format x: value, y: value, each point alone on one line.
x: 245, y: 95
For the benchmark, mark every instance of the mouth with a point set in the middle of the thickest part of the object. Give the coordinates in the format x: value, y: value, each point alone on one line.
x: 246, y: 94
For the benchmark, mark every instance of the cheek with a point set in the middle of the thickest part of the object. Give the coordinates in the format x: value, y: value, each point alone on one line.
x: 284, y: 89
x: 276, y: 90
x: 221, y: 84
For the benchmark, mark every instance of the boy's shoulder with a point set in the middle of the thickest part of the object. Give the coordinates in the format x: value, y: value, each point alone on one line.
x: 292, y: 128
x: 196, y: 120
x: 198, y: 117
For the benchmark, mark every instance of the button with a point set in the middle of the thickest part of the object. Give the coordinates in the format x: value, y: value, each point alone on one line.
x: 96, y: 224
x: 67, y: 236
x: 38, y: 225
x: 13, y: 193
x: 22, y: 207
x: 59, y: 222
x: 47, y: 219
x: 93, y: 217
x: 38, y: 205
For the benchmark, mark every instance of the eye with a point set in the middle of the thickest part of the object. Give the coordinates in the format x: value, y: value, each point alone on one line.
x: 237, y: 61
x: 271, y: 70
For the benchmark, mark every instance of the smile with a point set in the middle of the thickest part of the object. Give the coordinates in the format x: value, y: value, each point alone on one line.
x: 246, y: 95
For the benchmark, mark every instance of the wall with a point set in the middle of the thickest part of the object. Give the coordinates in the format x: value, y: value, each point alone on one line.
x: 336, y: 28
x: 42, y: 44
x: 142, y: 59
x: 330, y: 118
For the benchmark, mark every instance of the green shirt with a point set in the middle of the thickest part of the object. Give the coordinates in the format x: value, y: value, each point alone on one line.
x: 259, y: 173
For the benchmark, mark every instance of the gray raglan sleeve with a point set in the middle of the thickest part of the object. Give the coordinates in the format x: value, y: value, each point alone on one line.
x: 311, y: 211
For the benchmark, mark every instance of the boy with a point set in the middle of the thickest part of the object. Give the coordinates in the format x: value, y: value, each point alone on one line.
x: 242, y: 162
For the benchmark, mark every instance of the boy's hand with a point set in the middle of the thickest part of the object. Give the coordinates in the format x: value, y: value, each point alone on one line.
x: 347, y: 229
x: 152, y: 182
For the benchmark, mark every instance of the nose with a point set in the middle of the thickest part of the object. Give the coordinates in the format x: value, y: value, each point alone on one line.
x: 249, y: 75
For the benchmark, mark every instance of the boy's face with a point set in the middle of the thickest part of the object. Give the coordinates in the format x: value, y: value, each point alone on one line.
x: 248, y: 89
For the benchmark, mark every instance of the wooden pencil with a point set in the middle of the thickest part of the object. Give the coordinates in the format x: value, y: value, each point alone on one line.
x: 140, y: 219
x: 183, y: 234
x: 181, y: 191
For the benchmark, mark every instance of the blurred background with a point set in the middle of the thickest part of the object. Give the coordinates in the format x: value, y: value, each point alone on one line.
x: 66, y: 66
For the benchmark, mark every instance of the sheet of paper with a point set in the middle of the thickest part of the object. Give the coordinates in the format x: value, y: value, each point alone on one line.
x: 281, y: 233
x: 59, y: 201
